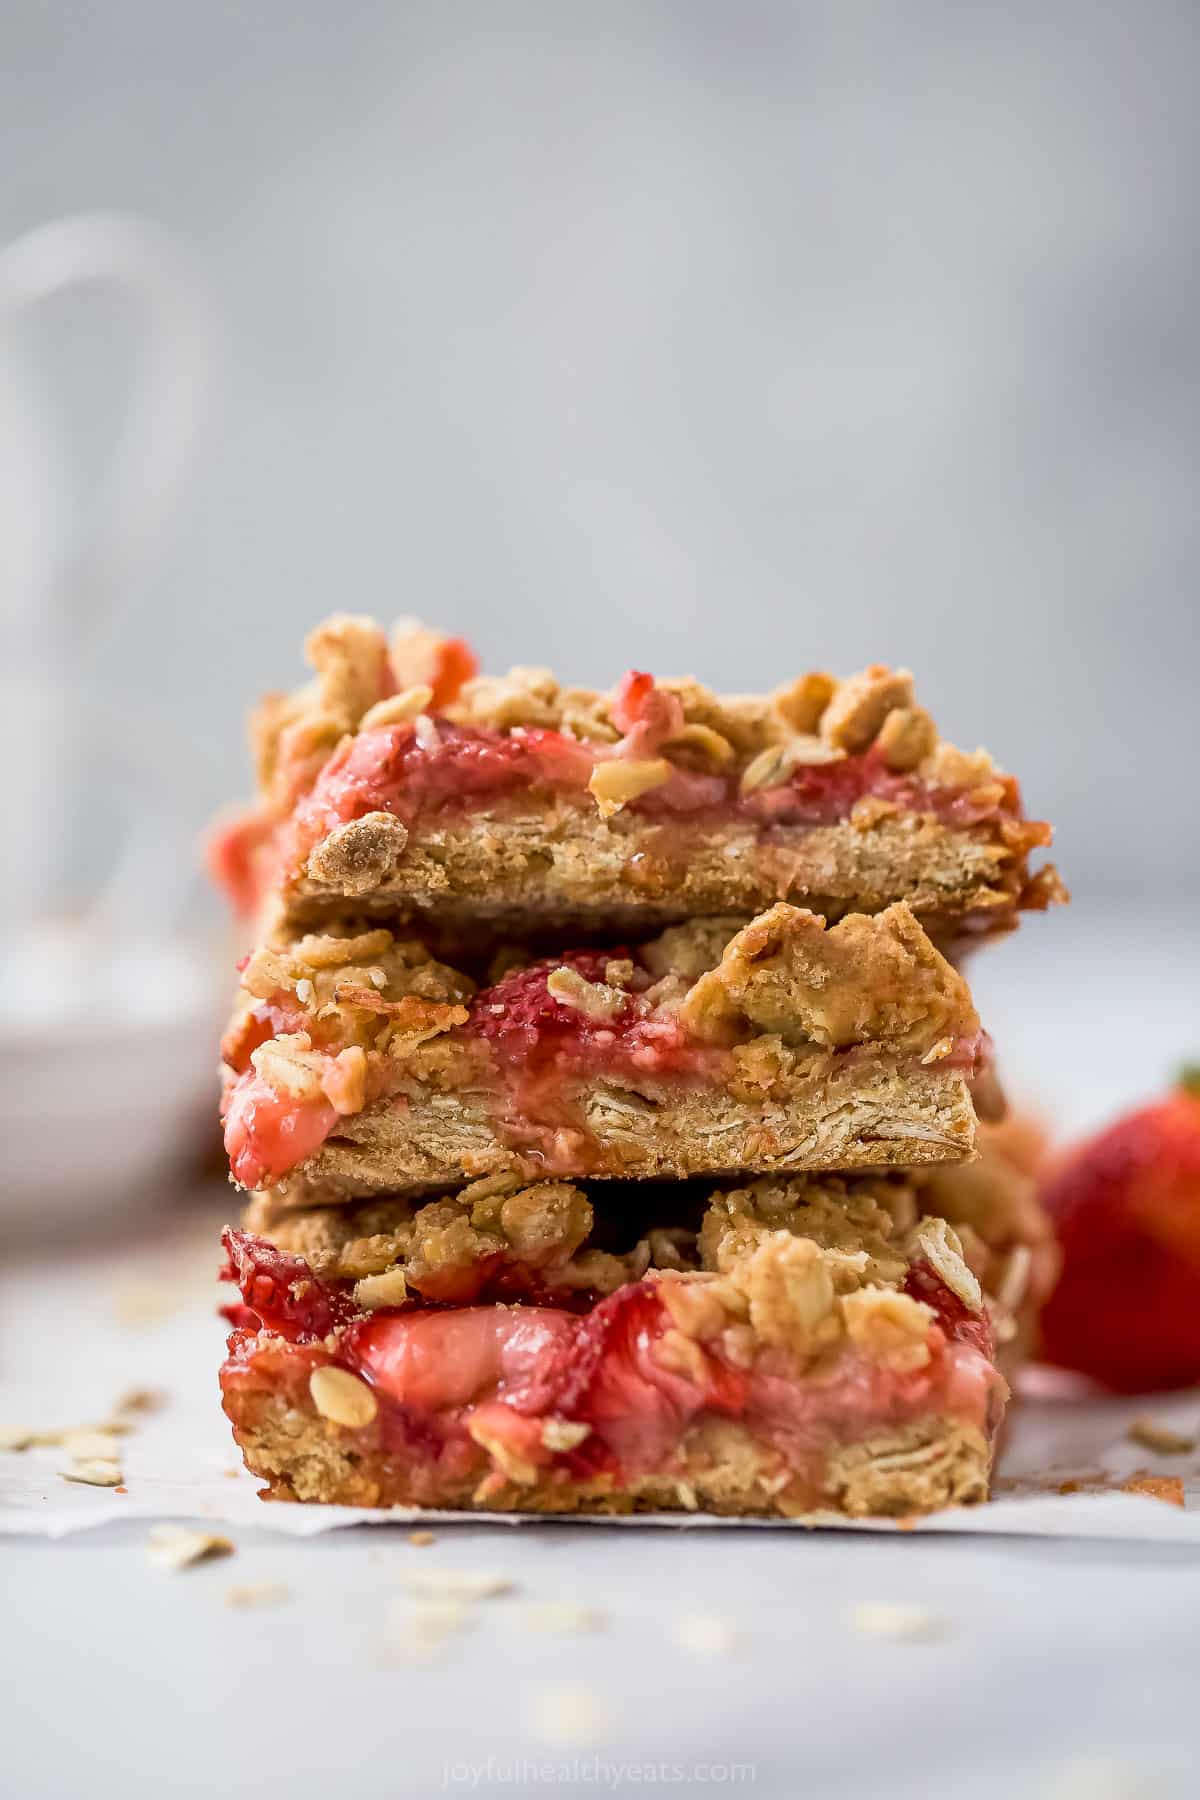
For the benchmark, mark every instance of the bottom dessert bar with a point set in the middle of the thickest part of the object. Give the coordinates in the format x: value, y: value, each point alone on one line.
x: 780, y: 1348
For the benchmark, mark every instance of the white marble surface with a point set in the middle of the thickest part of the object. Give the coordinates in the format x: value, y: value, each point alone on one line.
x: 124, y: 1680
x: 1064, y: 1668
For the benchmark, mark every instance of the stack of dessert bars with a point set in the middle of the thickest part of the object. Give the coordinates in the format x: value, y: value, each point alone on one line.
x: 606, y: 1092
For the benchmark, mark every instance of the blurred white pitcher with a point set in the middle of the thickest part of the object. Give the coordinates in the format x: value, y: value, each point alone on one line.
x: 63, y: 581
x: 102, y: 998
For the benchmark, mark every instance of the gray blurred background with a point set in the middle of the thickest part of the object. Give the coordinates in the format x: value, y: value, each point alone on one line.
x: 728, y: 337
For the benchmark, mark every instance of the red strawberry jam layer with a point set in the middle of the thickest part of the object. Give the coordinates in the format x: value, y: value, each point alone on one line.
x: 529, y: 1027
x: 421, y: 771
x: 446, y: 1380
x: 542, y: 1051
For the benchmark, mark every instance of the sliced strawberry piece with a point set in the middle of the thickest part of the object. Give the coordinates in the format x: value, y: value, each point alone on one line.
x: 646, y: 714
x: 614, y: 1382
x: 520, y: 1012
x: 559, y: 760
x: 469, y: 1353
x: 280, y: 1292
x: 454, y: 663
x: 266, y: 1133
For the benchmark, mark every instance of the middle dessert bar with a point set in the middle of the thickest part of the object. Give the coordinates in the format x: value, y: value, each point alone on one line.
x: 358, y: 1064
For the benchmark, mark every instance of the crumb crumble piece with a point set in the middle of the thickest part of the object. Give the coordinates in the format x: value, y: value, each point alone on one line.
x: 176, y: 1547
x: 704, y: 1634
x: 1167, y: 1488
x: 341, y: 1397
x: 569, y: 1715
x: 1152, y: 1434
x: 903, y: 1622
x: 458, y: 1584
x: 94, y: 1472
x: 249, y: 1596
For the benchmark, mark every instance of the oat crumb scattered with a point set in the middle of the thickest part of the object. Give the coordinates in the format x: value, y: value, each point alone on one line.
x: 176, y: 1547
x: 1099, y: 1778
x: 144, y: 1302
x: 560, y: 1616
x: 1154, y: 1435
x: 257, y: 1594
x: 1168, y: 1488
x: 569, y: 1715
x: 418, y: 1629
x: 94, y: 1472
x: 421, y: 1538
x: 704, y: 1634
x: 913, y: 1624
x: 460, y: 1584
x: 141, y: 1400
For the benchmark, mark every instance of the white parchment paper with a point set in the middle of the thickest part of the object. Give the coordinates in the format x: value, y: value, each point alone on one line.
x: 78, y: 1330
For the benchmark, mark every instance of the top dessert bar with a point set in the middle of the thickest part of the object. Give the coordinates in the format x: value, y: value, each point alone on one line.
x: 402, y: 783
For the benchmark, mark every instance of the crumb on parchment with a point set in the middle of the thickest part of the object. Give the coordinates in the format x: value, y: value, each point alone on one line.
x: 178, y: 1547
x: 1167, y: 1488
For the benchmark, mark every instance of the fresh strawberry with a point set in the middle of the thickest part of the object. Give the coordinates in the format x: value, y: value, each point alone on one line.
x: 1126, y: 1208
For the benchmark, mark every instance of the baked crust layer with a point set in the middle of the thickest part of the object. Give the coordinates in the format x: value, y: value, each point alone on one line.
x: 874, y: 1114
x: 919, y: 1468
x: 580, y: 873
x: 833, y: 1351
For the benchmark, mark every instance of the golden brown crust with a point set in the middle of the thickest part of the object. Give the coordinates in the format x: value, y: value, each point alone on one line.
x: 449, y: 1249
x: 629, y: 874
x: 867, y: 1226
x: 866, y: 979
x: 723, y: 1469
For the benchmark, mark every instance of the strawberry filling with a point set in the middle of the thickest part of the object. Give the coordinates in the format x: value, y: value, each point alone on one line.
x: 416, y: 772
x: 267, y: 1132
x: 534, y: 1031
x: 279, y: 1292
x: 449, y: 1380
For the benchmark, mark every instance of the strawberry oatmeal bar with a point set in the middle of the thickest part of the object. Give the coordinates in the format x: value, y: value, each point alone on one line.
x: 358, y: 1064
x: 610, y: 1110
x: 402, y: 785
x: 787, y: 1347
